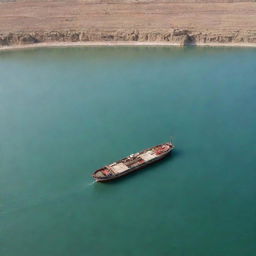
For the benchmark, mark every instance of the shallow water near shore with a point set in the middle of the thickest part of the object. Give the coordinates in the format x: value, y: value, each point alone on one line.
x: 66, y: 112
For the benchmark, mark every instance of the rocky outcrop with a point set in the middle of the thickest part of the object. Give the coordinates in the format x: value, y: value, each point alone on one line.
x: 181, y: 36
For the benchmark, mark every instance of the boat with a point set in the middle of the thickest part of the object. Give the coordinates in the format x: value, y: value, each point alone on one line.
x: 132, y: 163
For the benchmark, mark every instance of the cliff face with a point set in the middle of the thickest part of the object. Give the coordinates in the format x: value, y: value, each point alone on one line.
x: 183, y: 37
x: 175, y: 21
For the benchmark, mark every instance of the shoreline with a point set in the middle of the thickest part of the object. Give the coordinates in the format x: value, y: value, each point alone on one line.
x: 118, y: 43
x: 33, y: 24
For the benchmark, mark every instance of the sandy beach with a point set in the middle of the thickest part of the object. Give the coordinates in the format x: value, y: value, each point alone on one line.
x: 113, y: 44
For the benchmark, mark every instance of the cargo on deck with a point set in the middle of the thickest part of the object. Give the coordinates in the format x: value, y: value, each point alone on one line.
x: 132, y: 162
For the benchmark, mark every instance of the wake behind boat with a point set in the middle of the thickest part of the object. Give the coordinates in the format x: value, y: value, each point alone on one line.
x: 132, y: 162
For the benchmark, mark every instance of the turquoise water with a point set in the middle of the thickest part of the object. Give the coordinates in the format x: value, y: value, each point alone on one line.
x: 66, y: 112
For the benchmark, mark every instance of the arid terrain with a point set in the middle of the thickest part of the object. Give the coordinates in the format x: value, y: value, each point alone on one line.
x: 169, y: 21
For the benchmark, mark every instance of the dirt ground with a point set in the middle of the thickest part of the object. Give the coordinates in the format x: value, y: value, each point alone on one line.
x: 38, y: 15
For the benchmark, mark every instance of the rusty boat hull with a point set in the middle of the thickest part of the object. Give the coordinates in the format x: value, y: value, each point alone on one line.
x: 132, y: 163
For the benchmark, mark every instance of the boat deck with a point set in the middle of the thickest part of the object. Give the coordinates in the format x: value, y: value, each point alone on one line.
x: 134, y: 161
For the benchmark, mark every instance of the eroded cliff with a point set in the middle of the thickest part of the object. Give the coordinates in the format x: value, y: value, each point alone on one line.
x: 183, y: 37
x: 174, y: 21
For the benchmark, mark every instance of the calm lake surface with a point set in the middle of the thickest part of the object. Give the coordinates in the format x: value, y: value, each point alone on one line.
x: 66, y: 112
